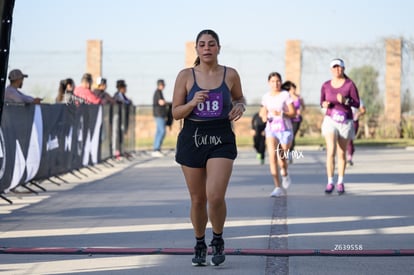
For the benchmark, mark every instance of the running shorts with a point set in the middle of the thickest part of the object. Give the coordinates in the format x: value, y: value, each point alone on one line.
x: 344, y: 130
x: 284, y: 137
x: 199, y: 141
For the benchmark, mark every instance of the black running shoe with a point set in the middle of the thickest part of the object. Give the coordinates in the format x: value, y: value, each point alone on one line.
x: 200, y: 253
x: 217, y: 246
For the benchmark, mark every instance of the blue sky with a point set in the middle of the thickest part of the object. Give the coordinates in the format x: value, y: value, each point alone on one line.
x: 49, y: 36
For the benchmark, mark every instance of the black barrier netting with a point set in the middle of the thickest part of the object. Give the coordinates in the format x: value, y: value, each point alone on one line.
x: 18, y: 122
x: 51, y: 140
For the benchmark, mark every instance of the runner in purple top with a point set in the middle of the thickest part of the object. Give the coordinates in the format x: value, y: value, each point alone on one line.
x: 299, y: 105
x: 338, y: 95
x: 357, y: 113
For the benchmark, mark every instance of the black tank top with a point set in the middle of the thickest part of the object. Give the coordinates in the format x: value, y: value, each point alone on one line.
x: 217, y: 106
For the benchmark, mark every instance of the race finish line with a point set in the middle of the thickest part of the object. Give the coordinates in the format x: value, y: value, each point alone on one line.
x: 190, y: 251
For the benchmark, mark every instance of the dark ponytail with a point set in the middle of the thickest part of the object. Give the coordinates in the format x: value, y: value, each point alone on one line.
x: 61, y: 90
x: 197, y: 61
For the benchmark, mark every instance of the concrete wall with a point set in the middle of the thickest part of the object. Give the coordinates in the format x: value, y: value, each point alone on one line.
x: 94, y: 58
x: 293, y: 63
x: 190, y: 54
x: 392, y: 110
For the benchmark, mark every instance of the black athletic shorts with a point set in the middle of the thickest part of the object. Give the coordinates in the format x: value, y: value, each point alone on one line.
x: 199, y: 141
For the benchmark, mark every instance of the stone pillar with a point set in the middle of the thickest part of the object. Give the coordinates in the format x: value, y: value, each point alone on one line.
x: 94, y: 58
x: 190, y: 54
x: 293, y: 63
x: 392, y: 110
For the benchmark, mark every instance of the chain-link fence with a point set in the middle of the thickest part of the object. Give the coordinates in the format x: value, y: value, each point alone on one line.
x: 141, y: 69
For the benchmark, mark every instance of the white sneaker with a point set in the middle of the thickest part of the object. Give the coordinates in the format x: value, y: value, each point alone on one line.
x: 286, y: 181
x: 157, y: 154
x: 277, y: 192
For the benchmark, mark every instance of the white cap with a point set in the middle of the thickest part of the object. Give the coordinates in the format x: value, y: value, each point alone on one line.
x: 337, y: 62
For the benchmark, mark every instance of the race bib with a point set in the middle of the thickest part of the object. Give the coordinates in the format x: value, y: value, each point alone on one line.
x: 212, y: 107
x: 277, y: 124
x: 338, y: 116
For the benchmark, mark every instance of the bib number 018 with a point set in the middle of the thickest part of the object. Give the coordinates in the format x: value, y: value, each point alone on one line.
x: 212, y: 107
x: 208, y: 106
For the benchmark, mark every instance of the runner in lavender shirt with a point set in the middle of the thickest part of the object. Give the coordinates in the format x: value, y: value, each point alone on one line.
x: 338, y: 95
x: 277, y: 110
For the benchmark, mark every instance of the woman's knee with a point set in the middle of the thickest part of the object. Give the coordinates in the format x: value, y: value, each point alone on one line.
x: 216, y: 200
x: 198, y: 201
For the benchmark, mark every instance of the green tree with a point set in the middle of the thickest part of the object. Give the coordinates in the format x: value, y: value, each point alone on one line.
x: 406, y: 102
x: 365, y: 78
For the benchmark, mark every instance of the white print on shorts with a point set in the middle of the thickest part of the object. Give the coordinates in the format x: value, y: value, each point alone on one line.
x: 205, y: 139
x: 285, y: 155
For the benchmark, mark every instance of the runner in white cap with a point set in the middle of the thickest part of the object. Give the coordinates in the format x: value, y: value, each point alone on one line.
x: 338, y: 95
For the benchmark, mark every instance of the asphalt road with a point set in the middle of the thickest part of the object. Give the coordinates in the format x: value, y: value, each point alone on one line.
x: 144, y: 204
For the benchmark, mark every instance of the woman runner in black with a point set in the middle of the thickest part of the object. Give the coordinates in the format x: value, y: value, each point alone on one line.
x: 208, y: 97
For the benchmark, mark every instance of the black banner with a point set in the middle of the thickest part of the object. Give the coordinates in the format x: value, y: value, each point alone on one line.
x: 22, y: 132
x: 128, y: 128
x: 41, y: 141
x: 106, y: 133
